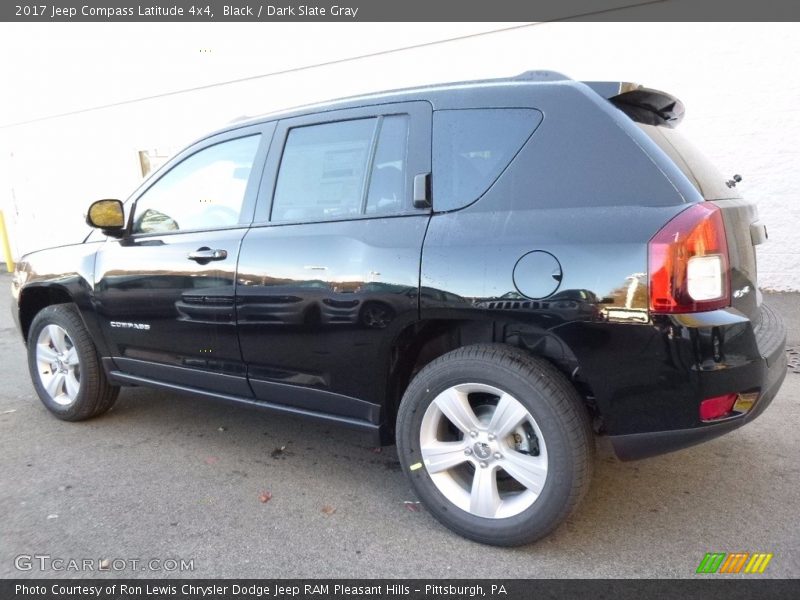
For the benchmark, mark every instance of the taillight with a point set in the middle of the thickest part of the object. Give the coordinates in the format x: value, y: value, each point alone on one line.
x: 688, y: 263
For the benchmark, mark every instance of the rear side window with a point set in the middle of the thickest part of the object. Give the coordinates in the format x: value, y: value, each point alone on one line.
x: 703, y: 175
x: 323, y: 171
x: 344, y: 169
x: 387, y: 185
x: 471, y: 148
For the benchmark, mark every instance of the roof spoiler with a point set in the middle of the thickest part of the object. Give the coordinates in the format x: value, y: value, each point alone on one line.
x: 643, y: 105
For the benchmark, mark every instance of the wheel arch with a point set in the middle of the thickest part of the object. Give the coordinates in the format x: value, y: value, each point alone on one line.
x: 425, y: 341
x: 34, y: 298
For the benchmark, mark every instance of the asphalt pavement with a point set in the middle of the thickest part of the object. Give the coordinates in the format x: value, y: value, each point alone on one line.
x: 238, y: 493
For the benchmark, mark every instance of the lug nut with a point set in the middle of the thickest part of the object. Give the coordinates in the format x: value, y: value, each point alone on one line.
x: 498, y: 456
x: 484, y: 465
x: 468, y: 451
x: 491, y: 437
x: 473, y: 433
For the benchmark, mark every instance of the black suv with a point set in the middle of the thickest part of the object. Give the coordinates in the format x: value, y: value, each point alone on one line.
x: 484, y: 272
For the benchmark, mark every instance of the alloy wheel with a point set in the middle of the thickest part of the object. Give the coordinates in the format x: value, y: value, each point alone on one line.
x: 58, y: 364
x: 483, y: 450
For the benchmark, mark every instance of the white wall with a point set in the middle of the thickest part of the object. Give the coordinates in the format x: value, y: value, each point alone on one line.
x: 738, y: 81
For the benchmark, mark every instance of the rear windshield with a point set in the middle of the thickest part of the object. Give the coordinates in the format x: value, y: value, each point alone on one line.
x: 698, y: 169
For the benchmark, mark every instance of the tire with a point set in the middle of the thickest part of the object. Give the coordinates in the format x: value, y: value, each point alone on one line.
x: 64, y: 366
x: 521, y: 425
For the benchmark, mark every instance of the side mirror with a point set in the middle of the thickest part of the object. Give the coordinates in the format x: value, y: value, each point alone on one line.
x: 107, y: 215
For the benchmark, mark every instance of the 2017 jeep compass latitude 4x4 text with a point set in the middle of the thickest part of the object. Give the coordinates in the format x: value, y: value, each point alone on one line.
x: 485, y: 273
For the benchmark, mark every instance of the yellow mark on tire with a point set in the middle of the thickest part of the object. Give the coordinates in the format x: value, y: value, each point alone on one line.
x: 415, y: 466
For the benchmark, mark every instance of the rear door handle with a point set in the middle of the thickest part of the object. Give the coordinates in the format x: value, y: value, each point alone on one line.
x: 204, y: 255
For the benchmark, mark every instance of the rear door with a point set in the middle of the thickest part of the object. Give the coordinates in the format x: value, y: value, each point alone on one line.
x: 165, y: 291
x: 328, y: 276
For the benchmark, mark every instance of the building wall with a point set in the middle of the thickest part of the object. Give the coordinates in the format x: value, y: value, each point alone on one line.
x: 738, y: 81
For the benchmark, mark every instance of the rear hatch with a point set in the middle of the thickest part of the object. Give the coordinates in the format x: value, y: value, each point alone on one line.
x: 657, y: 114
x: 742, y: 228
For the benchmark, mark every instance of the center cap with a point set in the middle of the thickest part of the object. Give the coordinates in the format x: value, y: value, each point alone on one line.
x: 482, y: 450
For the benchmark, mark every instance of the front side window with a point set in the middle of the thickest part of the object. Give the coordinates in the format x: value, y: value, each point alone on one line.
x: 344, y: 169
x: 205, y: 191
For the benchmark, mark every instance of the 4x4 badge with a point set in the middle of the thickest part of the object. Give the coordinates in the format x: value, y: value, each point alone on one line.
x: 740, y: 293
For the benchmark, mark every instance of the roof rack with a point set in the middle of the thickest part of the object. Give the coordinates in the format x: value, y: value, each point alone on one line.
x: 541, y: 76
x: 527, y: 76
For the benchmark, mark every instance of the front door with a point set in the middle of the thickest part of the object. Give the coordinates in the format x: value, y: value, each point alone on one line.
x: 165, y: 291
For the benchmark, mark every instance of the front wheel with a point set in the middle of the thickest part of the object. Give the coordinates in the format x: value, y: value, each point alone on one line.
x: 497, y: 444
x: 64, y: 365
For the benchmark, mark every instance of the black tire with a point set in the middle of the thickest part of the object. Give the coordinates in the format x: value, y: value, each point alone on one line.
x: 95, y: 395
x: 555, y: 407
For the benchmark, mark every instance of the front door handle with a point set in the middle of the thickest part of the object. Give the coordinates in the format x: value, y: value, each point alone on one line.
x: 205, y: 255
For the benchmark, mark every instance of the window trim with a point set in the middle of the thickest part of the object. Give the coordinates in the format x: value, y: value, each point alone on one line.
x: 373, y: 149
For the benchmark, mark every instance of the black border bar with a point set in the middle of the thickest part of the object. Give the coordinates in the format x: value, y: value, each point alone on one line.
x: 701, y: 587
x: 277, y: 11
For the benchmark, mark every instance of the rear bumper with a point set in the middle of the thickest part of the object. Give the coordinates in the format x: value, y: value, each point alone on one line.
x: 770, y: 339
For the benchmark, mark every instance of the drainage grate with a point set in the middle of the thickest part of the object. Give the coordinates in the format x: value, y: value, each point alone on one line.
x: 793, y: 359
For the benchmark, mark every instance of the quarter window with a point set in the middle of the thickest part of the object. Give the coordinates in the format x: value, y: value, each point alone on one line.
x: 472, y: 147
x: 342, y: 170
x: 205, y: 191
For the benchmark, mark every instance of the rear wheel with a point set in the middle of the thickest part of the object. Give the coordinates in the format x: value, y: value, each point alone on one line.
x: 64, y: 366
x: 497, y: 444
